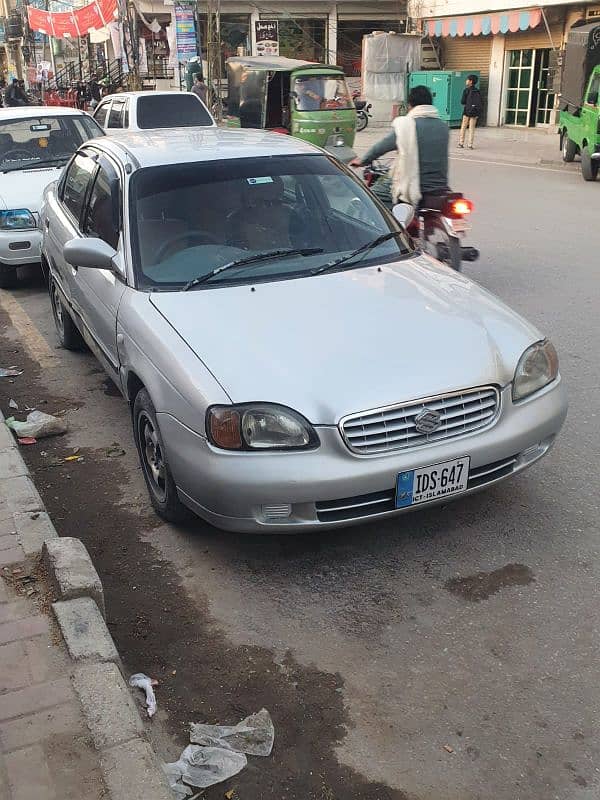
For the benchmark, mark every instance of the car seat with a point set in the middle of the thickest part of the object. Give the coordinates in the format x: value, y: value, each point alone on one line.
x: 263, y: 220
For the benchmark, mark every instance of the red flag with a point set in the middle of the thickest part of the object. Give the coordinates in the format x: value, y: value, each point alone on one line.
x: 39, y: 20
x: 63, y: 24
x: 88, y: 18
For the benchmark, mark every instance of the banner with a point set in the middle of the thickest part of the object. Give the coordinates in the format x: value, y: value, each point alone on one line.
x: 267, y: 37
x: 185, y: 29
x: 69, y: 24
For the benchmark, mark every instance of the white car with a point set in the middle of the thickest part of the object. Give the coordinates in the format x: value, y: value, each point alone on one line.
x: 35, y: 144
x: 291, y: 361
x: 143, y: 111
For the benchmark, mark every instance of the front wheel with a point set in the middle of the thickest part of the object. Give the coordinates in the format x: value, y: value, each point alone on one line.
x: 362, y: 120
x: 153, y: 457
x: 569, y: 148
x: 589, y: 166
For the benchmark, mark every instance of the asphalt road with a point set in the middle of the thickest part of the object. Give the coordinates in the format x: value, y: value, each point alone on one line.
x: 451, y: 654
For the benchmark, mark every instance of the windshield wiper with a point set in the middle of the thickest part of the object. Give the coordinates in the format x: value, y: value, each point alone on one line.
x: 362, y: 249
x: 240, y: 262
x: 43, y: 163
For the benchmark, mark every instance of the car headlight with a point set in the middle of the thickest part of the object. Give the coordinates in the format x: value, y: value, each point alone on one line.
x: 17, y: 219
x: 537, y: 367
x: 259, y: 426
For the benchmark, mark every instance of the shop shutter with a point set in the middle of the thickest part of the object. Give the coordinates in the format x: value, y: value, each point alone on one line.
x: 469, y: 52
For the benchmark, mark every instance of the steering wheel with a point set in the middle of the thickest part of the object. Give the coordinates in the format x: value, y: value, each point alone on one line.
x: 199, y: 236
x: 18, y: 155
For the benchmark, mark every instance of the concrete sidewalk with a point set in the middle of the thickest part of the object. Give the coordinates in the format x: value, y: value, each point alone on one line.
x: 529, y: 147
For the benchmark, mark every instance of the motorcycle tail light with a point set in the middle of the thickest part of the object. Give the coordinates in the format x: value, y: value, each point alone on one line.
x: 460, y: 207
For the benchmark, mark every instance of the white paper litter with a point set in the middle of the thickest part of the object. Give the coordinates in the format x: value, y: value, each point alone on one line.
x: 141, y: 681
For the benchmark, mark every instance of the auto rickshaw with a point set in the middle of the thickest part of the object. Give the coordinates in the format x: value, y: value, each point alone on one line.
x: 309, y: 101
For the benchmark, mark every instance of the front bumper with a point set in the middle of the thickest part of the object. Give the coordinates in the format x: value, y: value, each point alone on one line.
x: 20, y: 247
x: 330, y: 487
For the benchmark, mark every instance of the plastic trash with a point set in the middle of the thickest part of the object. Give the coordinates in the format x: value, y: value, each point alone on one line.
x: 253, y: 735
x: 38, y: 425
x: 141, y: 681
x: 27, y: 440
x: 13, y: 404
x: 202, y: 767
x: 10, y: 372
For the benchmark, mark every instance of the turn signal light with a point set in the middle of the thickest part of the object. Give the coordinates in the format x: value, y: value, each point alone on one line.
x: 461, y: 207
x: 225, y: 428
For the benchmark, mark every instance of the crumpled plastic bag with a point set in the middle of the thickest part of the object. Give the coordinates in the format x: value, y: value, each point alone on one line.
x: 202, y: 767
x: 253, y: 735
x: 38, y: 425
x: 141, y: 681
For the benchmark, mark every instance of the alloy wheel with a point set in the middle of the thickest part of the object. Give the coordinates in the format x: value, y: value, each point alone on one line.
x: 152, y: 456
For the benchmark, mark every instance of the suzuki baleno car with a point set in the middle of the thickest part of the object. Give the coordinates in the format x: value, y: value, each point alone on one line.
x: 290, y: 360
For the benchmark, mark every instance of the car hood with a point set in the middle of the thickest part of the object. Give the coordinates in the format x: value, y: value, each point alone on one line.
x: 24, y: 188
x: 351, y: 341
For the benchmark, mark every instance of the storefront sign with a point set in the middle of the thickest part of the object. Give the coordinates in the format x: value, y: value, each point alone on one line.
x: 267, y: 37
x: 185, y: 29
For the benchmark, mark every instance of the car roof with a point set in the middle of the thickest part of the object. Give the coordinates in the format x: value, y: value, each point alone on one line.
x: 148, y: 93
x: 39, y: 111
x: 187, y: 145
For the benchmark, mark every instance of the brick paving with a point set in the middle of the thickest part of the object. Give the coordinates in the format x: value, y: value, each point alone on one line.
x: 46, y: 751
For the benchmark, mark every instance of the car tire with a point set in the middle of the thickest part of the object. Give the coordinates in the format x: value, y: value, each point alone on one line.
x: 66, y: 330
x: 568, y: 147
x: 153, y: 458
x: 589, y: 166
x: 8, y: 277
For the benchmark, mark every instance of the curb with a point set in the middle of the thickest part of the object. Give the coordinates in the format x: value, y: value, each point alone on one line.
x: 126, y: 757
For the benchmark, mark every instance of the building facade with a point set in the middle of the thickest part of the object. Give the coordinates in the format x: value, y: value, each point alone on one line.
x: 516, y: 49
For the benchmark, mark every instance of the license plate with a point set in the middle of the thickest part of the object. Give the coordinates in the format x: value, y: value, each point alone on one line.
x: 459, y: 225
x: 429, y: 483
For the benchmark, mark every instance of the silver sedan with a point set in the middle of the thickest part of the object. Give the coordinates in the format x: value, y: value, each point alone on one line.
x: 290, y: 360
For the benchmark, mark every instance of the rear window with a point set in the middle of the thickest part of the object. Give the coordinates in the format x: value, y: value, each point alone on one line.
x: 171, y: 111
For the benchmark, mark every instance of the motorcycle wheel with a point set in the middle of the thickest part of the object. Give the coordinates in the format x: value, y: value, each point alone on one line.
x: 362, y: 120
x: 441, y: 246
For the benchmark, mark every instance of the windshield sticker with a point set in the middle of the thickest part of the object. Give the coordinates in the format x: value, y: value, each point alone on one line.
x: 257, y: 181
x: 39, y: 127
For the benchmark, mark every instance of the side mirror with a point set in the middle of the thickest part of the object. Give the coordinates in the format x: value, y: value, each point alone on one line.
x: 403, y: 213
x: 89, y: 253
x: 593, y: 98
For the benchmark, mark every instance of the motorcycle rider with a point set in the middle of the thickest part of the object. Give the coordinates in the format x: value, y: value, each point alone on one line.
x: 421, y: 141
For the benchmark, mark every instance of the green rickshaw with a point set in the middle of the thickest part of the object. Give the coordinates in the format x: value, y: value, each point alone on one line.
x: 309, y: 101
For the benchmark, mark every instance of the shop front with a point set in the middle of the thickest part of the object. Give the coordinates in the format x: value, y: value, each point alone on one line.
x: 516, y: 53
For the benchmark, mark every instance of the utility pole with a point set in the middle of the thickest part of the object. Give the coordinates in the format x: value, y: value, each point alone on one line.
x: 213, y: 53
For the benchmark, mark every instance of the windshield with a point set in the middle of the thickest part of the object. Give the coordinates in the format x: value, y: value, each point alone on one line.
x: 47, y: 139
x: 189, y: 219
x: 171, y: 111
x: 321, y: 93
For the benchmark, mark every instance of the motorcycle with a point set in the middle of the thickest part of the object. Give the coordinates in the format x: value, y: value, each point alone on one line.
x: 362, y: 112
x: 440, y: 223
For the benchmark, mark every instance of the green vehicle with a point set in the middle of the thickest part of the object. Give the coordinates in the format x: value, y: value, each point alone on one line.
x: 579, y: 121
x: 309, y: 101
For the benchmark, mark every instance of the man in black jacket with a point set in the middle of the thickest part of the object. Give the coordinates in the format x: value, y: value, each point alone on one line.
x: 473, y: 106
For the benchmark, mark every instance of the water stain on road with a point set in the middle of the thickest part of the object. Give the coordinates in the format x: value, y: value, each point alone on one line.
x: 483, y: 585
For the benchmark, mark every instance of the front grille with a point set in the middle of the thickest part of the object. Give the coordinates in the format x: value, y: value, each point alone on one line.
x: 367, y: 505
x: 393, y: 428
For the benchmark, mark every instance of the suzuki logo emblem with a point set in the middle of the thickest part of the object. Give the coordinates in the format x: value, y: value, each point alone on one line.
x: 428, y: 421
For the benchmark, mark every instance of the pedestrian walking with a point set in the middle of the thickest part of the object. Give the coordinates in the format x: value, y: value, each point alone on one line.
x: 80, y: 95
x: 94, y: 92
x: 472, y: 108
x: 199, y: 88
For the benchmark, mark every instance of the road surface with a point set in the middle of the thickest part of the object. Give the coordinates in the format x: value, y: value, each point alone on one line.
x: 450, y: 654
